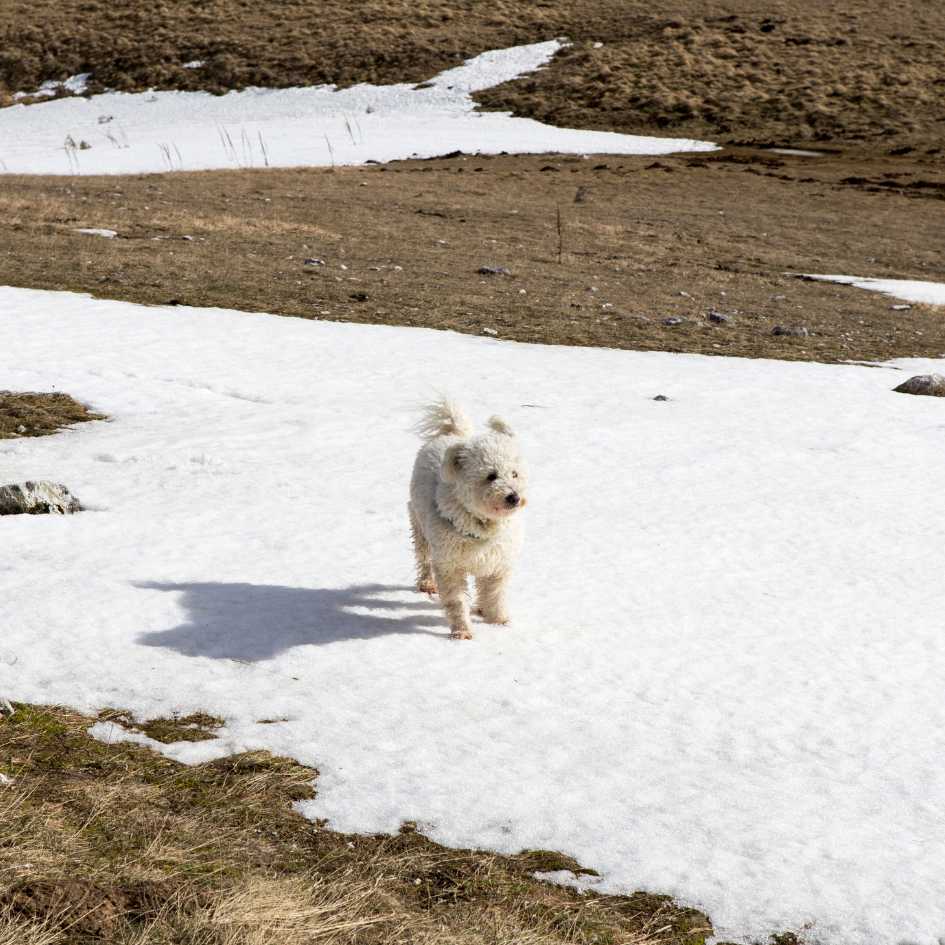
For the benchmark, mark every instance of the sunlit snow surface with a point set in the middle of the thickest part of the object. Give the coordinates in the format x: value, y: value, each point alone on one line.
x: 909, y: 290
x: 315, y: 126
x: 724, y: 676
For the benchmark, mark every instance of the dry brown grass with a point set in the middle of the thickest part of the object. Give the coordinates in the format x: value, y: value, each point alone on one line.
x: 38, y: 414
x: 677, y: 237
x: 113, y: 843
x: 787, y: 70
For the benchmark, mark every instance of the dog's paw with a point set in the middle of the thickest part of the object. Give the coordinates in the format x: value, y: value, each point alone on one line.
x: 427, y: 587
x: 500, y: 620
x: 461, y: 635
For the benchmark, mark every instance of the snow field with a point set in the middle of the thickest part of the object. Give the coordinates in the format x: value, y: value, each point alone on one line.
x: 723, y: 679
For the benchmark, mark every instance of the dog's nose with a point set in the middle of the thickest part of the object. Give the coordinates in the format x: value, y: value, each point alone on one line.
x: 512, y: 499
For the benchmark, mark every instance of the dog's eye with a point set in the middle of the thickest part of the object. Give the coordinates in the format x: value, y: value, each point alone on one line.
x: 492, y: 477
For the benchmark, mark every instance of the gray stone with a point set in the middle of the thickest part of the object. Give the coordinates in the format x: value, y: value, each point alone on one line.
x: 37, y: 498
x: 494, y: 271
x: 931, y: 385
x: 661, y: 397
x: 718, y: 318
x: 793, y: 331
x: 672, y: 321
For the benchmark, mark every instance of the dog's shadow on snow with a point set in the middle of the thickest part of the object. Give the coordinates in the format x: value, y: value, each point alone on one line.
x: 252, y: 622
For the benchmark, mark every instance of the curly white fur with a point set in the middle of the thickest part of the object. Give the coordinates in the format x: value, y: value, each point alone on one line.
x: 466, y: 496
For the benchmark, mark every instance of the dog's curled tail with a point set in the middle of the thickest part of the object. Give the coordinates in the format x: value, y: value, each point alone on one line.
x: 443, y: 418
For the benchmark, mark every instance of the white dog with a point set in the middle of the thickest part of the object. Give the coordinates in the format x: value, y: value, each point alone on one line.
x: 466, y: 494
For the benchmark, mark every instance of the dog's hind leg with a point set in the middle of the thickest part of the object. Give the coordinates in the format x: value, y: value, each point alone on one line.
x: 490, y: 598
x: 452, y: 585
x: 421, y: 551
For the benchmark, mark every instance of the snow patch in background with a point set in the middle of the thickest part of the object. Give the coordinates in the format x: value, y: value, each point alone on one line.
x: 150, y: 132
x: 909, y: 290
x: 77, y: 84
x: 95, y: 231
x: 723, y: 676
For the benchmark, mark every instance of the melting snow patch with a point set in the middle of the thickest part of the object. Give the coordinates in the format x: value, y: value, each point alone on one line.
x: 76, y: 84
x: 723, y: 678
x: 92, y: 231
x: 190, y: 753
x: 797, y: 152
x: 314, y: 126
x: 910, y: 290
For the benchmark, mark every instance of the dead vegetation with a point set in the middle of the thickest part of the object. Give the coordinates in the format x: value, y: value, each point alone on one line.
x: 687, y: 253
x: 732, y: 70
x: 113, y: 843
x: 39, y: 414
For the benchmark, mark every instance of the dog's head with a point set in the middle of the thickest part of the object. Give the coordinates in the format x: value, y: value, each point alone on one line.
x: 487, y: 473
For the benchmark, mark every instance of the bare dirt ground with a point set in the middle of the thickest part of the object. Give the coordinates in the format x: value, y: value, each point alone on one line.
x: 730, y: 70
x: 651, y: 251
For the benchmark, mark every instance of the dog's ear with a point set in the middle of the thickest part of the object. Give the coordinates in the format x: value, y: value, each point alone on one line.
x: 453, y: 460
x: 500, y: 426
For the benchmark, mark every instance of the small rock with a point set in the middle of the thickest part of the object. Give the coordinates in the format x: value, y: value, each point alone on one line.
x: 37, y: 498
x: 661, y: 397
x: 794, y: 331
x: 358, y: 296
x: 489, y: 331
x: 580, y: 195
x: 6, y: 707
x: 718, y: 318
x: 494, y: 271
x: 313, y: 262
x: 900, y: 308
x: 672, y: 321
x: 931, y: 385
x: 21, y: 429
x: 685, y: 295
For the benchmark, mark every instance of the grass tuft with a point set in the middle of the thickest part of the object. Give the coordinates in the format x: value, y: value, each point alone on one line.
x: 39, y: 414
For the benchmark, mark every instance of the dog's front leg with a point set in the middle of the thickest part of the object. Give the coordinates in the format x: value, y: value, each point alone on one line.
x: 452, y: 588
x: 490, y: 598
